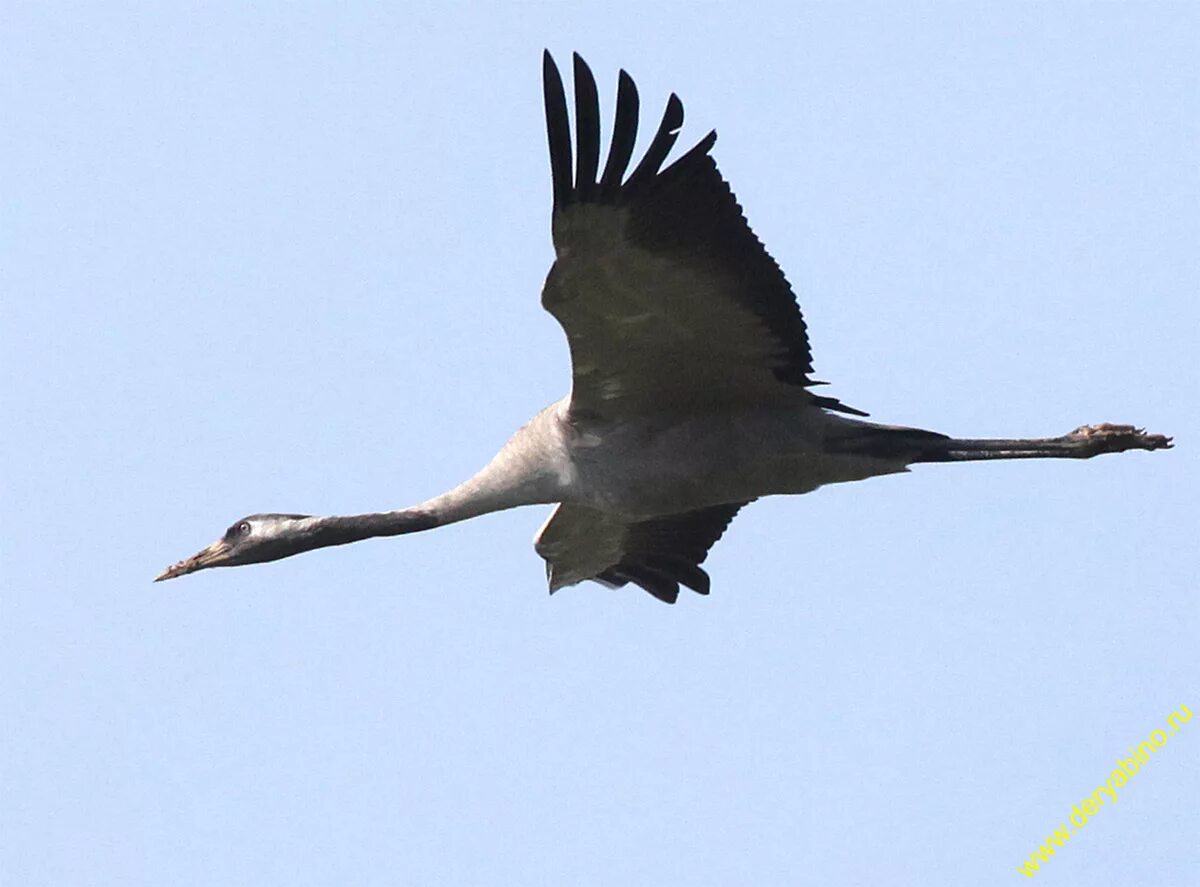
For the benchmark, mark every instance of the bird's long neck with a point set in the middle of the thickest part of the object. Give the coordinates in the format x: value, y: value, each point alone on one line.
x: 461, y: 503
x: 522, y: 473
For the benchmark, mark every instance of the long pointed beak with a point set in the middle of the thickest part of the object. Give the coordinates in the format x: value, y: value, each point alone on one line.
x: 213, y: 556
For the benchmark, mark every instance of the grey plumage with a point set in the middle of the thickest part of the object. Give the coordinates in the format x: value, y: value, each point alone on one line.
x: 691, y: 386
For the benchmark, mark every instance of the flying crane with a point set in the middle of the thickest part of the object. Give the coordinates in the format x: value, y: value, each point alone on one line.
x: 691, y: 380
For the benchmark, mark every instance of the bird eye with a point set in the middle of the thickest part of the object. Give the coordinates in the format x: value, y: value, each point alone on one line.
x: 244, y: 528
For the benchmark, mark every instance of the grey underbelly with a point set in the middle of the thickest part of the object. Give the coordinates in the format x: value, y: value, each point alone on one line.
x: 679, y: 470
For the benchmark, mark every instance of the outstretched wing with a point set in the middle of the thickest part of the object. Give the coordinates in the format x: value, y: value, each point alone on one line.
x: 658, y: 554
x: 668, y: 300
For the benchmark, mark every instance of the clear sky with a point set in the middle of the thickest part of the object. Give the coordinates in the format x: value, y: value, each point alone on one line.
x: 288, y: 259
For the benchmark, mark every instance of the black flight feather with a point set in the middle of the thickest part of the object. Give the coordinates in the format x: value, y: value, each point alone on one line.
x: 664, y: 140
x: 623, y: 138
x: 558, y: 132
x: 587, y: 131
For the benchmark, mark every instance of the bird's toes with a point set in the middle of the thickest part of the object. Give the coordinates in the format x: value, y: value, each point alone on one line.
x: 1157, y: 442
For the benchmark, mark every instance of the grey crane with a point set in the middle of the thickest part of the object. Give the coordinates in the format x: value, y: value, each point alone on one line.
x: 691, y: 392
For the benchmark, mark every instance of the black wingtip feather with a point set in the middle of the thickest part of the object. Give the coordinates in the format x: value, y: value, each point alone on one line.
x: 575, y: 177
x: 664, y: 140
x: 624, y: 136
x: 587, y: 130
x: 558, y: 131
x: 701, y: 148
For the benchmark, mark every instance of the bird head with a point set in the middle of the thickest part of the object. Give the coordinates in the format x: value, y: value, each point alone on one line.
x: 252, y: 540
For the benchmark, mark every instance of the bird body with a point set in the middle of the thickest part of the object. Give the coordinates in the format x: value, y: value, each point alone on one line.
x: 634, y: 468
x: 691, y: 390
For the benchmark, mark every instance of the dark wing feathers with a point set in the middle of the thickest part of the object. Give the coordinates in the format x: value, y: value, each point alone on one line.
x: 680, y: 219
x: 686, y: 213
x: 624, y: 137
x: 558, y: 132
x: 664, y: 141
x: 587, y: 131
x: 658, y: 583
x: 659, y: 554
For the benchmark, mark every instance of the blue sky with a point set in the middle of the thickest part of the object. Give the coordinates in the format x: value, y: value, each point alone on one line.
x: 288, y: 259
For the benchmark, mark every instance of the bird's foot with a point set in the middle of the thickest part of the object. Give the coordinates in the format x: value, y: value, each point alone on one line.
x: 1109, y: 438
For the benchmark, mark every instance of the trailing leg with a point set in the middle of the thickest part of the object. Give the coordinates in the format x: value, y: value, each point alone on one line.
x: 1082, y: 443
x: 914, y: 445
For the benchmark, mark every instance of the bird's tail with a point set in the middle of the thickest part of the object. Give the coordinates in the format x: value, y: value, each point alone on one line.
x: 890, y: 442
